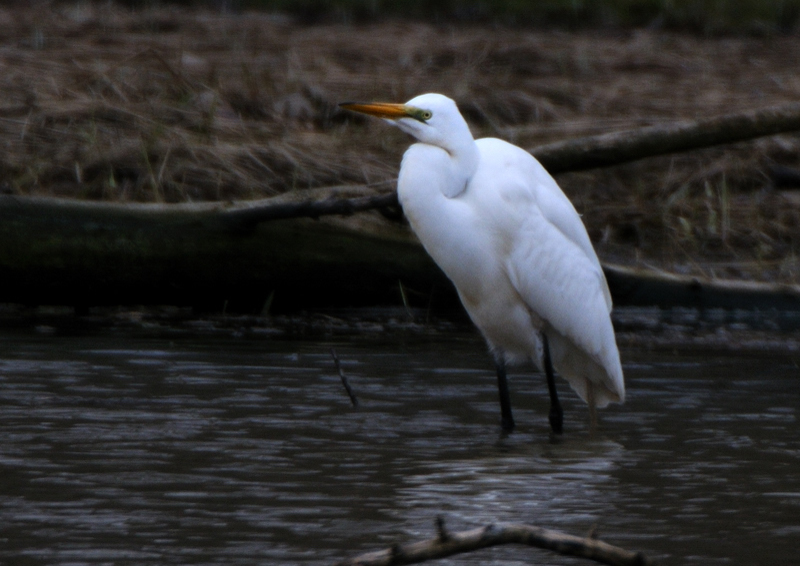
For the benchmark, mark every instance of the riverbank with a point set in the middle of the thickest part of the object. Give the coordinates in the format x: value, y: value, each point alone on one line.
x: 175, y: 105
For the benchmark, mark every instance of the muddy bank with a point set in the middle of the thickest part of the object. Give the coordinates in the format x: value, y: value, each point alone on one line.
x: 170, y: 105
x: 728, y: 332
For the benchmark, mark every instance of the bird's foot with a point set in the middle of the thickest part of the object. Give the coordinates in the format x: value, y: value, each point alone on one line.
x: 507, y: 424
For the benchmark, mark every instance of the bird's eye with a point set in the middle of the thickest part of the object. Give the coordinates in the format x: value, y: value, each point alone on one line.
x: 419, y: 114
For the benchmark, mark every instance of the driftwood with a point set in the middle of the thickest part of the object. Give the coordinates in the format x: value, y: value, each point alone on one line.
x: 62, y: 251
x: 643, y: 287
x: 621, y: 147
x: 447, y: 544
x: 69, y: 252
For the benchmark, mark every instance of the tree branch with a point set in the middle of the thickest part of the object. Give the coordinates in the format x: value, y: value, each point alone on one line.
x: 249, y: 216
x: 494, y: 535
x: 621, y: 147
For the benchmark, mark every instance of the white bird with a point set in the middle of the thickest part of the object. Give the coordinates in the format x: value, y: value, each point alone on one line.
x: 513, y: 245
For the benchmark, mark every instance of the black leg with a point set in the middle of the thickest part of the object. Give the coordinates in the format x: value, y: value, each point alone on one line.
x: 556, y: 414
x: 506, y: 418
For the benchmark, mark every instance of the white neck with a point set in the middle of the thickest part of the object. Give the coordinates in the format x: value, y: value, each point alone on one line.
x: 456, y: 139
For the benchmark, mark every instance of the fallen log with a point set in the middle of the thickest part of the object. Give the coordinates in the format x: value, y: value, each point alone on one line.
x: 448, y: 544
x: 69, y: 252
x: 649, y: 287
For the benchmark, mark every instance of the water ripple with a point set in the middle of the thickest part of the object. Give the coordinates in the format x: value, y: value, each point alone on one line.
x: 127, y: 449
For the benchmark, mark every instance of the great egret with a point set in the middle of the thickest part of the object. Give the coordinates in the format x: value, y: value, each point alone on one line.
x: 512, y: 243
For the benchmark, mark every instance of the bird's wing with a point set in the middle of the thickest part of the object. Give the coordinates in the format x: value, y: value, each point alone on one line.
x: 559, y: 212
x: 551, y: 263
x: 532, y: 185
x: 557, y: 279
x: 566, y: 289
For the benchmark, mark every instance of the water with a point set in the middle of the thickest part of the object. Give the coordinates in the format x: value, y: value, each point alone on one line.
x: 121, y: 447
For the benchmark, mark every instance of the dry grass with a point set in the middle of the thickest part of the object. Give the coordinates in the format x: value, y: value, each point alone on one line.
x: 174, y: 105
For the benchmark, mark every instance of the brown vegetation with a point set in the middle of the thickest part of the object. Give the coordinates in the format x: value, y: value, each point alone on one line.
x: 173, y: 105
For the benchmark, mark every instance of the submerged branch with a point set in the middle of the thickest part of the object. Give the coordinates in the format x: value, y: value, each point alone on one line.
x: 345, y: 382
x: 621, y: 147
x: 449, y: 543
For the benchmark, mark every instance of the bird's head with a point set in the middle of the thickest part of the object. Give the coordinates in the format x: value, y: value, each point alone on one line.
x: 431, y: 118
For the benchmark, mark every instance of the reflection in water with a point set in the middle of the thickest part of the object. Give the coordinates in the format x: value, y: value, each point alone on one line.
x: 118, y: 448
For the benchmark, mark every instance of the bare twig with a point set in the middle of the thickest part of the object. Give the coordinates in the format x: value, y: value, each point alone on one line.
x: 494, y: 535
x: 346, y: 384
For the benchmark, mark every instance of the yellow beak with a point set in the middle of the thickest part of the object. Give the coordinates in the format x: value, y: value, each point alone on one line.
x: 380, y: 109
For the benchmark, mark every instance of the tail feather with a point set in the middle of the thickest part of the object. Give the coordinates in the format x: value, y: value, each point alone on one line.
x: 596, y: 379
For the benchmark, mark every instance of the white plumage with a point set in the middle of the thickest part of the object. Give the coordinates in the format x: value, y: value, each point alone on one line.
x: 512, y: 243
